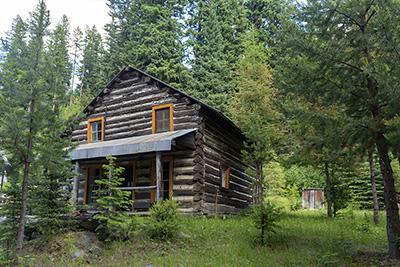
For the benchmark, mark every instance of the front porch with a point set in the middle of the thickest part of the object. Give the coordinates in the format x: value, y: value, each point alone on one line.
x: 152, y: 164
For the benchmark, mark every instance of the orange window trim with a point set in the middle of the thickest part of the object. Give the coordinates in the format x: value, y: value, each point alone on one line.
x: 85, y: 195
x: 153, y: 176
x: 171, y: 125
x: 89, y: 129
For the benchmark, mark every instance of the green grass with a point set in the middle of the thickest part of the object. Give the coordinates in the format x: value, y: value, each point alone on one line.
x: 304, y: 238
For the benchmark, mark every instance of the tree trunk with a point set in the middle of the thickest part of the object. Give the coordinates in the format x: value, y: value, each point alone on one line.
x: 73, y: 78
x: 392, y: 210
x: 83, y: 76
x: 27, y: 161
x: 328, y: 191
x: 27, y: 154
x: 374, y: 194
x: 262, y: 226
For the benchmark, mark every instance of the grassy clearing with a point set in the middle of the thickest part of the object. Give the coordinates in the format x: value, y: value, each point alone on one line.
x: 305, y: 238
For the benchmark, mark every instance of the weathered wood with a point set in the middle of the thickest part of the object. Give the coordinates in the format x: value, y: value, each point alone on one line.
x: 197, y: 107
x: 147, y: 80
x: 75, y: 188
x: 158, y: 175
x: 137, y: 188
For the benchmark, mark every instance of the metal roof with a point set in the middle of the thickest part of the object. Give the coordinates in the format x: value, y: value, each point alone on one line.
x: 128, y: 146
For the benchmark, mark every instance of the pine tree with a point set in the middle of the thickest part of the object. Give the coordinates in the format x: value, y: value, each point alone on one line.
x: 253, y: 108
x: 92, y: 78
x: 212, y: 72
x: 342, y: 55
x: 77, y: 43
x: 116, y: 37
x: 147, y: 35
x: 15, y: 49
x: 30, y: 129
x: 58, y: 63
x: 267, y: 17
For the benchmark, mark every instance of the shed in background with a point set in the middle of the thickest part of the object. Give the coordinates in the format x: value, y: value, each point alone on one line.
x: 313, y: 198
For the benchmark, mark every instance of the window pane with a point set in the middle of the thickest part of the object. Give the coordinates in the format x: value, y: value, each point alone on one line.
x: 93, y: 127
x: 96, y: 131
x: 162, y: 120
x: 223, y: 177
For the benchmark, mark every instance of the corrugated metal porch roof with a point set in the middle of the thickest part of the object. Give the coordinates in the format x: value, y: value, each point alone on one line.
x: 128, y: 146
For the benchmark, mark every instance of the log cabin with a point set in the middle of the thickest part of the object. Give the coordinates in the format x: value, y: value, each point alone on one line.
x: 167, y: 142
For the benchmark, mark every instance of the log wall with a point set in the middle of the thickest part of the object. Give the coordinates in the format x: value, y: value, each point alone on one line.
x: 223, y: 144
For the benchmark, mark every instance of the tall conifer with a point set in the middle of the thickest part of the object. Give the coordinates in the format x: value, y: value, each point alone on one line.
x: 30, y: 128
x: 343, y: 55
x: 147, y: 35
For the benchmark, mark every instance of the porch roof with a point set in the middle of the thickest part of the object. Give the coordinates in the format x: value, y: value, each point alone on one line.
x: 128, y: 146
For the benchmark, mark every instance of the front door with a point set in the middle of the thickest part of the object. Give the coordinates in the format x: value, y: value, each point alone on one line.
x: 166, y: 179
x: 129, y: 179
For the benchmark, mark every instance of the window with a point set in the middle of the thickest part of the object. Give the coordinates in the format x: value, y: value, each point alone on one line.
x: 95, y: 130
x: 129, y: 175
x: 93, y: 173
x: 166, y: 179
x: 162, y: 118
x: 224, y: 173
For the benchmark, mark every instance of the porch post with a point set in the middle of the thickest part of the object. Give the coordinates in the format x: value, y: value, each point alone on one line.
x: 158, y: 175
x: 75, y: 188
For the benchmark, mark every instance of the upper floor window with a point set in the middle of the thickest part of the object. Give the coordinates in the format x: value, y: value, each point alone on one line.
x: 162, y: 118
x: 95, y: 130
x: 224, y: 173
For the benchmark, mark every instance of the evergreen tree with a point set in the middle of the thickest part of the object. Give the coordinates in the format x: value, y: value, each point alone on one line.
x: 58, y: 63
x: 30, y: 130
x: 147, y: 35
x: 212, y: 72
x: 77, y: 43
x: 267, y: 17
x: 13, y: 65
x: 341, y: 55
x: 117, y: 36
x: 90, y: 71
x: 253, y: 109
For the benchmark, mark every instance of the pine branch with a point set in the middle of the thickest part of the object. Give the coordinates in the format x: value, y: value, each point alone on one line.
x: 349, y: 17
x: 332, y: 59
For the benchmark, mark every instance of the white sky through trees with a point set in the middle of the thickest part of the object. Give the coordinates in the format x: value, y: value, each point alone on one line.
x: 79, y: 12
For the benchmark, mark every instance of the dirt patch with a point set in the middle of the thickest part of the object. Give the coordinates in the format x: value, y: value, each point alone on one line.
x: 66, y: 248
x: 365, y: 258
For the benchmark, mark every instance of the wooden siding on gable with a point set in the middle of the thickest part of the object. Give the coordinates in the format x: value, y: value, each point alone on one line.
x: 127, y: 109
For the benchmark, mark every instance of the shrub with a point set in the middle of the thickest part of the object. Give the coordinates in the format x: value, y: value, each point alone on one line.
x: 164, y: 221
x: 114, y: 224
x: 266, y: 217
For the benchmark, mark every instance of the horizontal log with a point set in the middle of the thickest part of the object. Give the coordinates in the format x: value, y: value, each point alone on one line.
x: 137, y: 188
x: 211, y: 209
x: 185, y: 126
x: 223, y: 200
